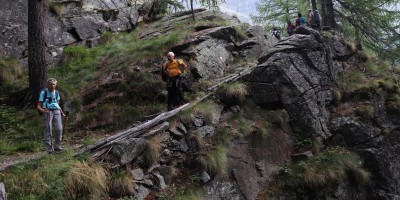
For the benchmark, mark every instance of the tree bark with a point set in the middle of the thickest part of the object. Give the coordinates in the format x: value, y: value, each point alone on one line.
x: 323, y: 13
x: 36, y: 49
x: 314, y: 5
x: 191, y: 8
x: 330, y: 14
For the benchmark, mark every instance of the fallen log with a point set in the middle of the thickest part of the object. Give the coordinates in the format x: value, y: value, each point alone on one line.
x: 140, y: 129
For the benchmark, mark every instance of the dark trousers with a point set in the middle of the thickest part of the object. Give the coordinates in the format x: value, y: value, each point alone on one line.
x: 175, y: 92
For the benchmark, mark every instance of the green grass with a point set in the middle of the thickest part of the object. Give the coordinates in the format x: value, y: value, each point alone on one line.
x: 214, y: 161
x: 333, y: 165
x: 19, y: 131
x: 39, y: 179
x: 232, y: 94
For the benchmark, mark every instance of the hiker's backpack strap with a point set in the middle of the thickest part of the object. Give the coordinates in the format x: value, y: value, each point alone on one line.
x: 45, y: 98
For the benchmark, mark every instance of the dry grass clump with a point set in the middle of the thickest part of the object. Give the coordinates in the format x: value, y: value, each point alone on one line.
x: 214, y: 161
x: 351, y: 46
x: 152, y: 152
x: 232, y: 94
x: 122, y: 184
x: 334, y: 165
x: 86, y: 181
x: 10, y: 70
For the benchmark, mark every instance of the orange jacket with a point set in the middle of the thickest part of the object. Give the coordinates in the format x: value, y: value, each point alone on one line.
x: 173, y: 68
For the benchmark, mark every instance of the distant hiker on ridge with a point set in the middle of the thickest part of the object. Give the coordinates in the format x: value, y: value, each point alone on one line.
x: 290, y: 28
x: 172, y: 71
x: 48, y: 105
x: 300, y: 21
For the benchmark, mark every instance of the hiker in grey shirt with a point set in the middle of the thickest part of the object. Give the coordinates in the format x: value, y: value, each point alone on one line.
x: 48, y: 105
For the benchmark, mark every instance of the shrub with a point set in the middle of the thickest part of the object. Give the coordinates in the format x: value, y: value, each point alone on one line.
x: 86, y: 181
x: 232, y: 94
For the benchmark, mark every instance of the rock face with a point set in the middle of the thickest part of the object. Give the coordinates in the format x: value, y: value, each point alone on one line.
x: 381, y: 154
x: 67, y: 22
x: 297, y: 73
x: 213, y: 46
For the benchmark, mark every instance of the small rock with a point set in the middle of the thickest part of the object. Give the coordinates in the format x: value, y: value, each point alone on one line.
x: 205, y: 177
x: 181, y: 128
x: 166, y: 152
x: 198, y: 122
x: 147, y: 182
x: 205, y: 131
x: 137, y: 174
x: 301, y: 156
x: 54, y: 54
x: 160, y: 181
x: 177, y: 134
x: 141, y: 192
x: 153, y: 167
x: 235, y: 108
x: 183, y: 145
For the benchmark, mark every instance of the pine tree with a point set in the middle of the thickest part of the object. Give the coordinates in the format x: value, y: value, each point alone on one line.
x: 275, y: 13
x: 36, y: 49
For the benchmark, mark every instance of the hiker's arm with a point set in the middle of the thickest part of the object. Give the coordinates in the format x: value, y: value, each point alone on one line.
x: 39, y: 107
x: 61, y: 111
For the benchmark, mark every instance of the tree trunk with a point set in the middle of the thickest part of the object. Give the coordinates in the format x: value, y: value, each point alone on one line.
x: 330, y: 14
x: 36, y: 49
x: 314, y: 5
x: 191, y: 8
x: 323, y: 13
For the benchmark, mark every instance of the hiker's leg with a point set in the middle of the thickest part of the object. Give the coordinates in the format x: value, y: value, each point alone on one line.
x: 181, y: 98
x: 47, y: 131
x: 170, y: 98
x: 58, y: 129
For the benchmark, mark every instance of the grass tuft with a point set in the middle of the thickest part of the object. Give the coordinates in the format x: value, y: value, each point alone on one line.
x: 215, y: 161
x: 10, y: 70
x: 122, y: 184
x: 333, y: 165
x: 152, y: 152
x: 232, y: 94
x: 88, y: 181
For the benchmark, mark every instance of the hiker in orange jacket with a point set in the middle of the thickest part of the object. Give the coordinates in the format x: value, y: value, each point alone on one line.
x: 174, y: 68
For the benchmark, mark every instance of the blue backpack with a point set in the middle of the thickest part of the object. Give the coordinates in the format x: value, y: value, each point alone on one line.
x: 302, y: 20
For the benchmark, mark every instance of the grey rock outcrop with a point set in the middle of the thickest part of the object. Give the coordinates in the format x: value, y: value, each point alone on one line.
x: 296, y: 73
x: 128, y: 150
x: 213, y: 46
x: 381, y: 155
x: 67, y: 22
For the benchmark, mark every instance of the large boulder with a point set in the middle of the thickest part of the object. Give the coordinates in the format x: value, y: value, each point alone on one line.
x: 127, y: 150
x: 380, y: 153
x: 297, y: 73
